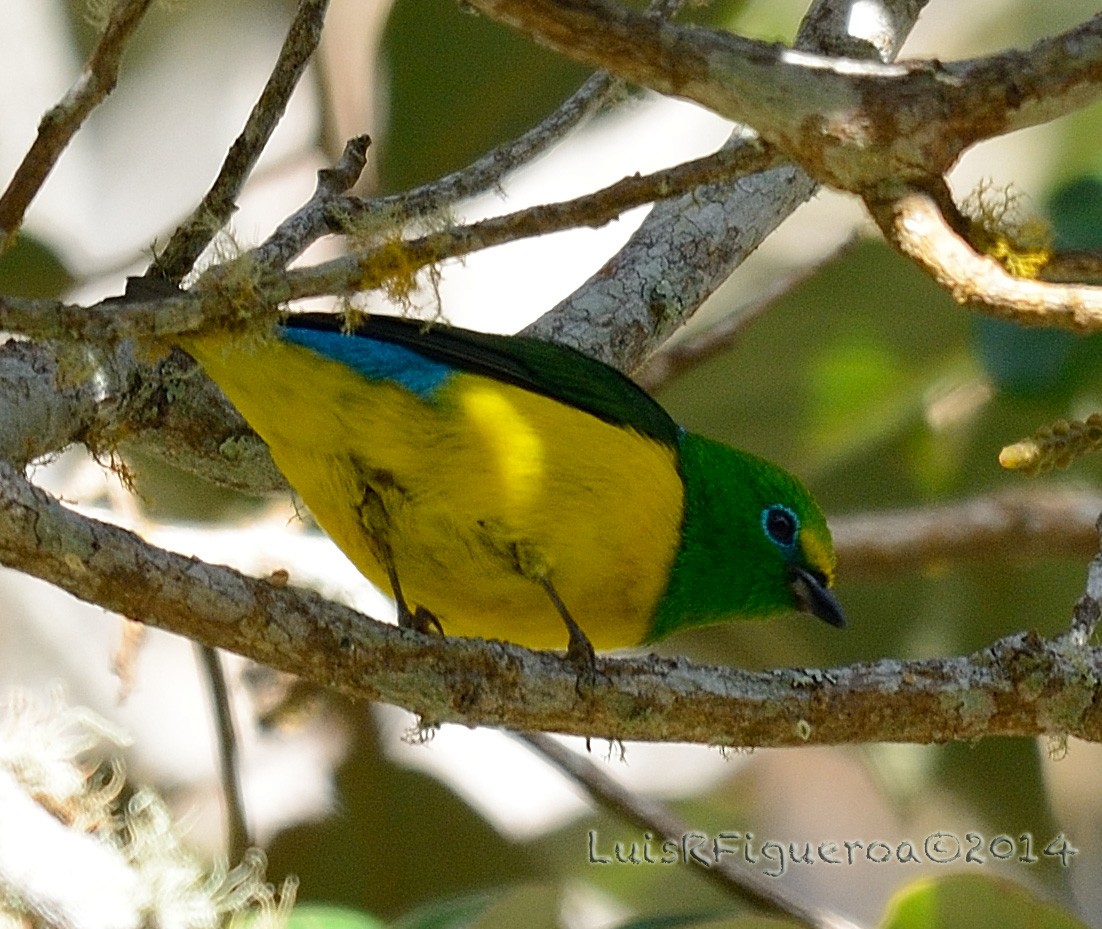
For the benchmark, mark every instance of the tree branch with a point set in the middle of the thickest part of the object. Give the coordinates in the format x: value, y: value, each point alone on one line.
x: 916, y: 223
x: 238, y: 836
x: 226, y: 290
x: 60, y: 124
x: 688, y: 246
x: 216, y: 208
x: 993, y: 692
x: 48, y: 401
x: 374, y: 267
x: 1019, y: 524
x: 321, y: 215
x: 855, y: 125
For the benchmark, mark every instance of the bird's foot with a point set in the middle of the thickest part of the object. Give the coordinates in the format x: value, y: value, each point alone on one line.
x: 581, y: 657
x: 579, y: 650
x: 420, y: 619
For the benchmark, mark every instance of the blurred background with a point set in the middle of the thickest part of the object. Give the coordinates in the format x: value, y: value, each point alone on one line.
x: 863, y: 378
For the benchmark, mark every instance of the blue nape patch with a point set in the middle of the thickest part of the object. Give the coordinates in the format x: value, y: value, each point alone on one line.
x: 374, y: 359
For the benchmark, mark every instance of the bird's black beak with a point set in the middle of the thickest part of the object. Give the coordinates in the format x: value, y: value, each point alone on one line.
x: 813, y: 596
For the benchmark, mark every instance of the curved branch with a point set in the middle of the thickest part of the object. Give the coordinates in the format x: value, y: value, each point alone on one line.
x: 469, y: 681
x: 916, y: 224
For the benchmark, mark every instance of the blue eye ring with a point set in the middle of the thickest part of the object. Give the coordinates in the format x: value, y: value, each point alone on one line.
x: 781, y: 527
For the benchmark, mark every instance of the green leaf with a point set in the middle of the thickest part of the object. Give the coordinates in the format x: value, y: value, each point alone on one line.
x: 326, y: 916
x: 969, y: 901
x: 677, y: 921
x: 534, y: 906
x: 452, y: 913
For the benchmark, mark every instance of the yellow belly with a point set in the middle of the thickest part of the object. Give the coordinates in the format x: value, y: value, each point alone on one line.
x: 485, y: 486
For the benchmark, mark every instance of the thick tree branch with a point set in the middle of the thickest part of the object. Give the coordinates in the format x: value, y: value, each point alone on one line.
x: 901, y: 122
x: 993, y: 692
x: 42, y: 412
x: 48, y: 401
x: 60, y: 124
x: 855, y: 125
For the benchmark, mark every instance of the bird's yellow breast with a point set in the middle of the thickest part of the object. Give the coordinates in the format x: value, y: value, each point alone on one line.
x: 485, y: 486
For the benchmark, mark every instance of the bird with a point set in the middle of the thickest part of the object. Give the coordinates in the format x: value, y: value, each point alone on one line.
x: 506, y: 487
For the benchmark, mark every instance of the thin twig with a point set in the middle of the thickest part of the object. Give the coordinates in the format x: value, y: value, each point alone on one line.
x: 238, y: 839
x: 216, y: 208
x: 318, y: 217
x: 60, y: 124
x: 489, y: 170
x: 659, y: 819
x: 314, y: 218
x: 375, y: 267
x: 1088, y: 609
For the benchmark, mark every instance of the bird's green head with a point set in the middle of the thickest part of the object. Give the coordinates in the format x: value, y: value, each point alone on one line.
x: 753, y: 543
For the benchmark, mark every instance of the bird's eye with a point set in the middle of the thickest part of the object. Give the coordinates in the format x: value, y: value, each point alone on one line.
x: 781, y: 525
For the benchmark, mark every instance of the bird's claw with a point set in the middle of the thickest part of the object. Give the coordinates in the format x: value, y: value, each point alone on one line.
x: 581, y: 657
x: 420, y: 619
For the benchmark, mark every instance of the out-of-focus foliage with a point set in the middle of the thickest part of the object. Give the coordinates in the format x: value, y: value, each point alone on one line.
x: 974, y: 903
x: 30, y: 269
